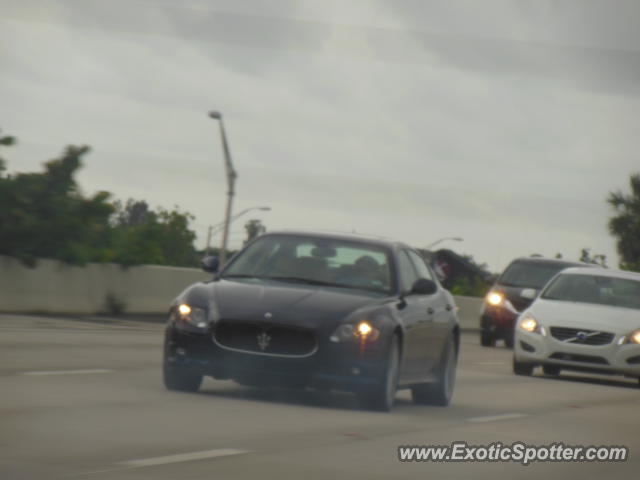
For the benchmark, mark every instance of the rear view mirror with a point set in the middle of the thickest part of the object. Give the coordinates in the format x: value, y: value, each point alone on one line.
x: 210, y: 264
x: 424, y: 286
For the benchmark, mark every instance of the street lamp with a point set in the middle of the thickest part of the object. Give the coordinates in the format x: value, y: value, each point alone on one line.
x: 231, y: 180
x: 456, y: 239
x: 214, y: 228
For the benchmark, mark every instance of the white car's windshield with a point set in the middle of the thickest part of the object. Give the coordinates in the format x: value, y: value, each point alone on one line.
x: 601, y: 290
x: 315, y: 260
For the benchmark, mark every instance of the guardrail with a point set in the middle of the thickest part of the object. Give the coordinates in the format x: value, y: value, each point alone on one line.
x: 54, y: 287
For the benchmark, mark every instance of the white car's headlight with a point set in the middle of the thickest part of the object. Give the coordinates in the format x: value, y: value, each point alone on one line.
x: 633, y: 337
x: 193, y: 315
x: 528, y: 323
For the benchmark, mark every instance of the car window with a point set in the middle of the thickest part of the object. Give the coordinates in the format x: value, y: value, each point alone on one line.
x: 421, y: 266
x: 529, y: 275
x: 331, y: 261
x: 408, y: 274
x: 596, y: 289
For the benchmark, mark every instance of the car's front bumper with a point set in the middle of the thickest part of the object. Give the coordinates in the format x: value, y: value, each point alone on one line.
x: 536, y: 349
x: 339, y: 366
x: 499, y: 321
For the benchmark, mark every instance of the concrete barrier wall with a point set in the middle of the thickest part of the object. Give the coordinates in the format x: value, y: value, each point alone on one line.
x: 57, y: 288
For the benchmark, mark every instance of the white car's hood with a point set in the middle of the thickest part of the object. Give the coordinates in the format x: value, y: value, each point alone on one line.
x: 554, y: 313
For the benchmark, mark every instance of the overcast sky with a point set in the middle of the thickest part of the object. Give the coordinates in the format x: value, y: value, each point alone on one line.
x: 503, y: 122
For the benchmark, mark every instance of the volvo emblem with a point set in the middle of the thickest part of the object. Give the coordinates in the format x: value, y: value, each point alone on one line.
x: 263, y: 340
x: 582, y: 336
x: 268, y: 315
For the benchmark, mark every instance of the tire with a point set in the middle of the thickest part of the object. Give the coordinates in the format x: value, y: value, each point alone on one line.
x: 551, y: 370
x: 487, y: 339
x: 509, y: 340
x: 381, y: 397
x: 439, y: 392
x: 522, y: 368
x: 181, y: 379
x: 178, y: 378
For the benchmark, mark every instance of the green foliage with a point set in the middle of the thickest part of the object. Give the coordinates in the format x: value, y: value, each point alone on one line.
x: 45, y: 215
x: 254, y: 229
x: 585, y: 256
x: 625, y: 224
x: 470, y: 288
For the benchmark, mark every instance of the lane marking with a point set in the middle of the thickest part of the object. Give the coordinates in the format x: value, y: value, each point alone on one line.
x: 495, y: 418
x: 67, y: 372
x: 182, y: 457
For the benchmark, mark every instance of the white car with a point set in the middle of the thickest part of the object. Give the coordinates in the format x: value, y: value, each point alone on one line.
x: 584, y: 320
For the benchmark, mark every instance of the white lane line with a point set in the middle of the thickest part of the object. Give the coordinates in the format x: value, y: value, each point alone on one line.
x: 182, y: 457
x: 495, y: 418
x: 67, y: 372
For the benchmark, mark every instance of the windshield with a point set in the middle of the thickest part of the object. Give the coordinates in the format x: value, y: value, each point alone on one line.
x: 615, y: 292
x: 529, y: 275
x: 314, y: 260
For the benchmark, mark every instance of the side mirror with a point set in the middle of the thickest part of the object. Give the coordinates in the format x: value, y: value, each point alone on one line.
x: 424, y: 286
x: 210, y: 264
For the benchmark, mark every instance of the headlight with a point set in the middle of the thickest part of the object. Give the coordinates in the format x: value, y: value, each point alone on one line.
x: 633, y: 337
x: 495, y: 298
x: 362, y: 331
x: 193, y: 315
x: 528, y: 323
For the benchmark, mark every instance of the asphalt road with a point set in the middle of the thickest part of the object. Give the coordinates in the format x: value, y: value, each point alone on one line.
x: 83, y: 399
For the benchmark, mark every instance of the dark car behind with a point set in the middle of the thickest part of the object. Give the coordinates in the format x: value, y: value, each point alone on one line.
x: 514, y: 290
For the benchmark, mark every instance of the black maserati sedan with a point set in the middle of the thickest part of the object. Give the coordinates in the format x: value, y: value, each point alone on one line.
x: 327, y: 311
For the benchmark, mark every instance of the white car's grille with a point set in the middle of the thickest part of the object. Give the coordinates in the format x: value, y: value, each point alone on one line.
x: 581, y: 336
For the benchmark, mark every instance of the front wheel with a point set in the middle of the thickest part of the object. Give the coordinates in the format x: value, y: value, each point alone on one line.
x: 521, y: 368
x: 181, y: 379
x: 382, y: 396
x: 487, y: 339
x: 439, y: 392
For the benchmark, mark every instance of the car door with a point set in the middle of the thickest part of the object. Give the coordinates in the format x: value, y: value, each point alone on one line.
x: 440, y: 309
x: 417, y: 319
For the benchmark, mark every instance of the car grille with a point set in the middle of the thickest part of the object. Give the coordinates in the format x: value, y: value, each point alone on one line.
x: 265, y: 339
x: 572, y: 357
x: 581, y: 336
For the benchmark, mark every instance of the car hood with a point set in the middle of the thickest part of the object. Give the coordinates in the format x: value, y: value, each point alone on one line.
x: 289, y: 304
x: 554, y: 313
x: 514, y: 295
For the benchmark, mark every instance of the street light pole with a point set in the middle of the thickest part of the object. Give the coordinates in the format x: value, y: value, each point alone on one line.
x: 431, y: 245
x: 231, y: 180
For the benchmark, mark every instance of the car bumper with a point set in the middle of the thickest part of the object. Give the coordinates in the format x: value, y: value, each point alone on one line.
x: 612, y: 358
x: 338, y: 366
x: 498, y: 321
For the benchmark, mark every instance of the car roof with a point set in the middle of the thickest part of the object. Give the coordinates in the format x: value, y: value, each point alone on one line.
x: 552, y: 261
x: 352, y: 237
x: 603, y: 272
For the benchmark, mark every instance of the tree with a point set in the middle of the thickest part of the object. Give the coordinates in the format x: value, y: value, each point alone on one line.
x: 143, y: 236
x: 6, y: 141
x: 625, y: 224
x: 254, y: 229
x: 585, y: 256
x: 45, y: 214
